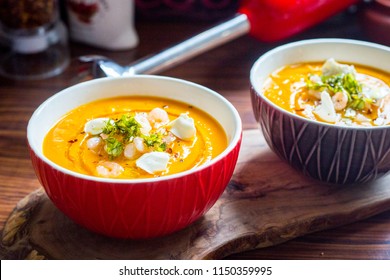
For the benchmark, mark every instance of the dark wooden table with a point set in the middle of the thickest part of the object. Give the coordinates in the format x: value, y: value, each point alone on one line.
x: 226, y: 70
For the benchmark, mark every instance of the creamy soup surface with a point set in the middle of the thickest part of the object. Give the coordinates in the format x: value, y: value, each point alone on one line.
x: 134, y: 137
x: 332, y: 92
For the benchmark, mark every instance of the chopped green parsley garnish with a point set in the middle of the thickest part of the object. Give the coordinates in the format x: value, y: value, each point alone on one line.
x: 113, y: 147
x: 155, y: 141
x: 342, y: 82
x: 118, y: 133
x: 126, y: 126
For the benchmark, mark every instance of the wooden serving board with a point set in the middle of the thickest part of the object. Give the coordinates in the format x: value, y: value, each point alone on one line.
x: 265, y: 203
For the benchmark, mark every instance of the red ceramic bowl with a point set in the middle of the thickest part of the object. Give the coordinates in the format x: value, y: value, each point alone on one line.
x: 135, y: 208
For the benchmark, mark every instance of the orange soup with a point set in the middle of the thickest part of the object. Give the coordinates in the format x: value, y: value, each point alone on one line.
x: 332, y: 92
x: 134, y: 137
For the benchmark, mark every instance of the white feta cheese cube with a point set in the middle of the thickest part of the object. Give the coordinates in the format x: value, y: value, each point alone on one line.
x: 326, y: 110
x: 95, y: 126
x: 153, y: 162
x: 183, y: 127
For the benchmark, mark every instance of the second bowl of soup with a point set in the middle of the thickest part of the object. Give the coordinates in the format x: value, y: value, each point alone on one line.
x: 324, y: 107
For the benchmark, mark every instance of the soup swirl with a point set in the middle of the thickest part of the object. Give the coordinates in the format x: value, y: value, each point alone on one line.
x: 134, y: 137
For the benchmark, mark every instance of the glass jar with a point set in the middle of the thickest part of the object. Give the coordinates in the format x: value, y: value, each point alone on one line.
x: 33, y: 40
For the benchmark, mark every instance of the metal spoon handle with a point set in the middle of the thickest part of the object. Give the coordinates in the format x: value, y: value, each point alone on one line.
x: 211, y: 38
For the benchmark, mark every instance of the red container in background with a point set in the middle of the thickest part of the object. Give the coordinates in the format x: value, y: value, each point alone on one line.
x: 270, y: 20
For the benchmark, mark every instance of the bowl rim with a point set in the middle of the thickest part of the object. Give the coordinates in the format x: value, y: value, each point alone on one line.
x: 317, y: 41
x: 235, y: 140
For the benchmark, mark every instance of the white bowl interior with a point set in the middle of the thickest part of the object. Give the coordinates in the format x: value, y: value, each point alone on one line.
x: 47, y: 115
x: 352, y: 51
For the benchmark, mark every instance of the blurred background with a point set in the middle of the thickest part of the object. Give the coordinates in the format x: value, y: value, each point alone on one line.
x: 35, y: 35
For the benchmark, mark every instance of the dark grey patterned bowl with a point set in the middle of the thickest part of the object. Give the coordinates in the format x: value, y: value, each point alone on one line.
x: 330, y: 153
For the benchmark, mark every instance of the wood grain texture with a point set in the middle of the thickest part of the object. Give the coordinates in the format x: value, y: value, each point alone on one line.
x: 266, y: 203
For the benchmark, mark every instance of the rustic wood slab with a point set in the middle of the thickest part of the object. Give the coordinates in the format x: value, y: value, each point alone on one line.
x: 265, y: 203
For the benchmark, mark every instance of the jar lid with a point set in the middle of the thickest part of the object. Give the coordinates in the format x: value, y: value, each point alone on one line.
x: 29, y: 44
x: 30, y: 41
